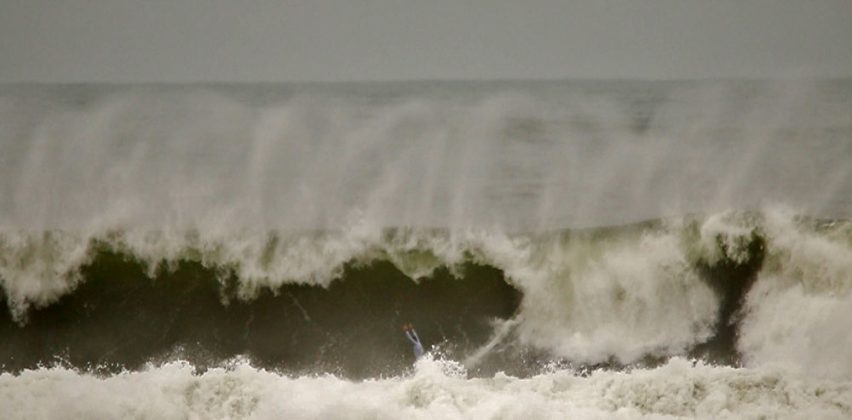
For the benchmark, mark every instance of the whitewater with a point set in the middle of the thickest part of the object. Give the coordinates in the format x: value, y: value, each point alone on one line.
x: 565, y: 249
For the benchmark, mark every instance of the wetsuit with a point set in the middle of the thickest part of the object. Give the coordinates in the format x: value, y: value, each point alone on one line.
x: 415, y: 341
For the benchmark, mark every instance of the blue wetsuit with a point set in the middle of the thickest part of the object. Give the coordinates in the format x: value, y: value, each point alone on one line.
x: 415, y: 341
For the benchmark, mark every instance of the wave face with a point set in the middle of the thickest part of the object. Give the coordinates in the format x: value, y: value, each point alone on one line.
x: 563, y: 245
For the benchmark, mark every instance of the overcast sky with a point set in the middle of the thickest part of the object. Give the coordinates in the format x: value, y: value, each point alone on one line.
x: 226, y: 40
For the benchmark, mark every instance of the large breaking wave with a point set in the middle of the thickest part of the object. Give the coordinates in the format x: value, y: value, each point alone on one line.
x: 598, y: 249
x: 741, y: 288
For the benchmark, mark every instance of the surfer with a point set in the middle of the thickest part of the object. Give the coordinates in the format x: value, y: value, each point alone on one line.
x: 414, y: 339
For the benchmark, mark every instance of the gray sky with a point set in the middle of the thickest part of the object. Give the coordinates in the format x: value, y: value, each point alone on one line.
x: 225, y: 40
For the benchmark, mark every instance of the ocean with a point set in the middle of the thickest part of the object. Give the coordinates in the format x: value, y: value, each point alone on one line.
x: 565, y: 249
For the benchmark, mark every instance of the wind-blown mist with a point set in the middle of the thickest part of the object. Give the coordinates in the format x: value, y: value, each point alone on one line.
x: 531, y: 228
x: 517, y: 157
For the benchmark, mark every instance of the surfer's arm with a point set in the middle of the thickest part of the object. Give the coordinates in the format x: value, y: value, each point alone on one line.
x: 412, y: 337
